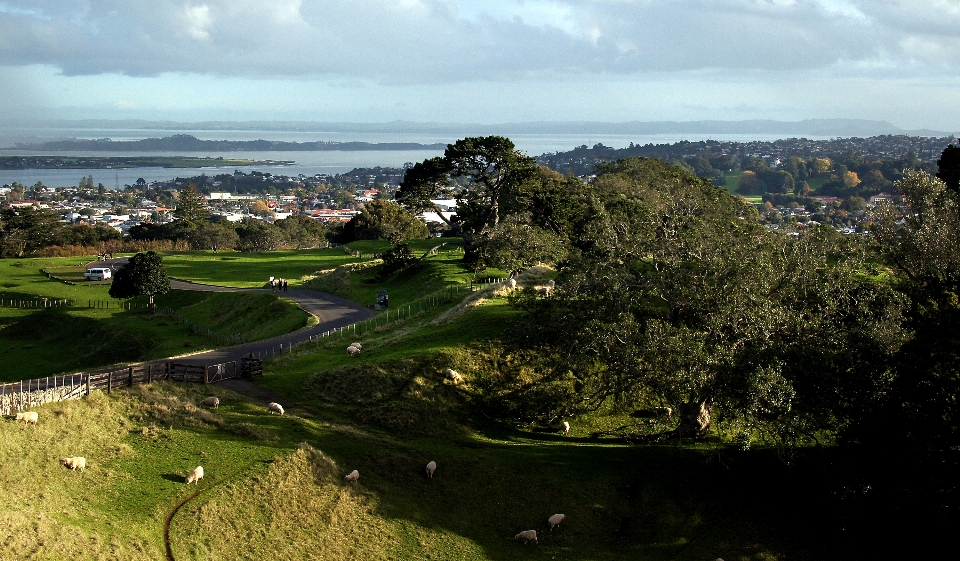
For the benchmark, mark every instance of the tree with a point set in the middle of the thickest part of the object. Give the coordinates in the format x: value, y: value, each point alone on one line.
x: 191, y: 207
x: 256, y: 235
x: 385, y: 220
x: 679, y: 296
x: 25, y: 230
x: 302, y: 231
x: 142, y: 275
x: 488, y: 176
x: 948, y: 167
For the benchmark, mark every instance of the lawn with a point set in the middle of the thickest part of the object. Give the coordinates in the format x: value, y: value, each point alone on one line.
x: 42, y: 341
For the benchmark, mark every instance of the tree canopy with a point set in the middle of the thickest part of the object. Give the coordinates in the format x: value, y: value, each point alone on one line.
x: 385, y: 220
x: 190, y: 206
x: 142, y: 275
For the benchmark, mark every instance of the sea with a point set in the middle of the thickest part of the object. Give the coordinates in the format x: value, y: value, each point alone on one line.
x: 306, y: 163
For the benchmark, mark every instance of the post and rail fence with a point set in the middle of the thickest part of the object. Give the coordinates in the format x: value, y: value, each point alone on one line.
x: 22, y: 395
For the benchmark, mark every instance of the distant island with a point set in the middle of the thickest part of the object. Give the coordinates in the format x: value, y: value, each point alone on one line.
x: 97, y: 162
x: 188, y: 143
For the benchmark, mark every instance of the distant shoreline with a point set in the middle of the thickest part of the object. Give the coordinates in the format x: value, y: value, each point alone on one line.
x: 188, y: 143
x: 113, y: 162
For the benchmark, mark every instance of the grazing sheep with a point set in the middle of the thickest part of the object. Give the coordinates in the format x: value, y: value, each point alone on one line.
x: 431, y: 467
x: 527, y: 536
x: 211, y: 401
x: 75, y: 463
x: 566, y: 428
x: 453, y: 376
x: 351, y: 350
x: 275, y: 407
x: 28, y: 417
x: 352, y: 476
x: 555, y: 520
x: 357, y: 345
x: 194, y: 476
x: 512, y: 283
x: 545, y: 290
x: 663, y: 411
x: 551, y: 283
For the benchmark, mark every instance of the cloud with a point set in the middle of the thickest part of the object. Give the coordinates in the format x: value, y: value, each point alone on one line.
x: 456, y: 41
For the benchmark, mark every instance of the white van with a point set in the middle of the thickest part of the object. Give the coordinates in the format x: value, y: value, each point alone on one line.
x: 98, y: 273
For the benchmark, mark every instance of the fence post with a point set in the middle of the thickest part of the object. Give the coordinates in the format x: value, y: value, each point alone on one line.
x: 88, y: 382
x: 206, y: 374
x: 149, y: 373
x: 109, y: 382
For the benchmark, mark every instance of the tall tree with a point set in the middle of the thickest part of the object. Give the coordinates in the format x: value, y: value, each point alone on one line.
x: 948, y: 167
x: 191, y: 207
x: 142, y: 275
x: 488, y: 176
x: 386, y: 220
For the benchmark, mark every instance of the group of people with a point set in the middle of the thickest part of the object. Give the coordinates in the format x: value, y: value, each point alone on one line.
x: 278, y: 284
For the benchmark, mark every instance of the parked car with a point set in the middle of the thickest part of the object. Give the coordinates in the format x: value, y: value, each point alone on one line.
x: 98, y: 273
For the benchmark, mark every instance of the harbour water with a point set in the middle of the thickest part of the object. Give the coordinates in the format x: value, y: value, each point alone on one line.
x: 306, y: 163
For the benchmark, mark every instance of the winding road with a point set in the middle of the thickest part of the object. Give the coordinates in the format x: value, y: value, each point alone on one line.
x: 332, y: 312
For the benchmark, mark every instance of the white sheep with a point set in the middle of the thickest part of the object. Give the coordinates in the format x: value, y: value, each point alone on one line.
x: 275, y: 407
x: 194, y: 476
x: 357, y: 345
x: 566, y: 428
x: 351, y: 350
x: 527, y: 536
x: 211, y: 401
x: 75, y: 463
x: 555, y: 520
x: 431, y: 467
x: 512, y: 283
x: 28, y: 417
x: 352, y: 476
x: 551, y: 283
x: 545, y: 290
x: 453, y: 375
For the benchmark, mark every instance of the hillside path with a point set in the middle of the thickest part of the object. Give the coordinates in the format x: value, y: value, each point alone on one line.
x: 332, y: 312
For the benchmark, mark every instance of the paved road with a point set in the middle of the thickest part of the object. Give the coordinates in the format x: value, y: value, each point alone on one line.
x: 332, y: 311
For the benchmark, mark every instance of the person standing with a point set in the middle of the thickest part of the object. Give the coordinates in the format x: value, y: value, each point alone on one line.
x: 284, y: 285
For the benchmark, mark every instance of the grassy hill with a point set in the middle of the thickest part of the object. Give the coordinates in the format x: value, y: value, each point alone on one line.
x: 274, y: 485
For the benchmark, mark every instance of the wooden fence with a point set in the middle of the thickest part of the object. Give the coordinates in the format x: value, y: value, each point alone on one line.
x: 22, y: 395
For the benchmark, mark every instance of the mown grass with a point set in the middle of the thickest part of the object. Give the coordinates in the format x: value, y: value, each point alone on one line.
x: 252, y: 270
x: 40, y: 342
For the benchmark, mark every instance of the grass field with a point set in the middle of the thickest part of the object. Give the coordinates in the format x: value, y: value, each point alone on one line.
x: 274, y: 488
x: 45, y: 341
x: 273, y: 485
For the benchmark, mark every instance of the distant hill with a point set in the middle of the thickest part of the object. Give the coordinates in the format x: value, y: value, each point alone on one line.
x: 188, y: 143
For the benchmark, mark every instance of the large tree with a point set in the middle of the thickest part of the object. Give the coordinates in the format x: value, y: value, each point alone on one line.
x: 191, y: 206
x: 142, y: 275
x: 679, y: 297
x: 487, y: 175
x: 385, y: 220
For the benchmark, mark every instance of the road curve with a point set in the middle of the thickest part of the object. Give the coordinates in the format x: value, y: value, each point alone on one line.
x: 333, y: 312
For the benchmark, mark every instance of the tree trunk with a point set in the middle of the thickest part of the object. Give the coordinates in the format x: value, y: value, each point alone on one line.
x: 694, y: 418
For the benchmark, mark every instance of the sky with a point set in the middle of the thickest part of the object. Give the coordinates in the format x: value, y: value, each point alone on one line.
x: 491, y: 61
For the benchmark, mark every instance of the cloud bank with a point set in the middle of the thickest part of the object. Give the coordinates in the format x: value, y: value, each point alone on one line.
x: 450, y: 41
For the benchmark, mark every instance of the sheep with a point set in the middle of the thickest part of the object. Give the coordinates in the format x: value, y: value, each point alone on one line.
x: 357, y: 345
x: 275, y: 407
x: 453, y: 376
x: 551, y: 283
x: 28, y: 417
x: 194, y: 476
x: 351, y: 350
x: 512, y: 283
x: 211, y: 401
x: 75, y: 463
x: 566, y: 428
x: 352, y: 476
x: 545, y: 290
x: 555, y: 520
x: 527, y: 536
x: 431, y: 467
